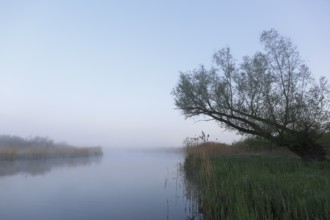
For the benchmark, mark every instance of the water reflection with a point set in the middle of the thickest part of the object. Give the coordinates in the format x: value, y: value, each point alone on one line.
x: 41, y: 167
x: 192, y: 195
x: 121, y: 185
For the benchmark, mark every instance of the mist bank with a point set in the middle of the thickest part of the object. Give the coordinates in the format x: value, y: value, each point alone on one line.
x: 36, y: 148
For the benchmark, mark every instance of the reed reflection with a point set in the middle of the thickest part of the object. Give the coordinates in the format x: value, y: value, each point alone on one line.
x: 42, y: 167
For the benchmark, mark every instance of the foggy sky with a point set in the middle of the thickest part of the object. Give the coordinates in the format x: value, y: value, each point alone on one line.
x: 101, y: 72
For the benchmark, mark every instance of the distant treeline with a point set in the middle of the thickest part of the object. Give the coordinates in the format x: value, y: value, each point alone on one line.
x: 247, y: 146
x: 260, y: 145
x: 13, y: 147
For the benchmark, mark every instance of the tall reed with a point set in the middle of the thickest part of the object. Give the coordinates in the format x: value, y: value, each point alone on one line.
x: 256, y: 187
x: 12, y: 148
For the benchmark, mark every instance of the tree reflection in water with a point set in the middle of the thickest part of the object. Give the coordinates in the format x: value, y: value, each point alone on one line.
x: 43, y: 166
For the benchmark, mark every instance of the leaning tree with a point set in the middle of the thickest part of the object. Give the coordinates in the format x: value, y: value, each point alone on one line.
x: 270, y: 95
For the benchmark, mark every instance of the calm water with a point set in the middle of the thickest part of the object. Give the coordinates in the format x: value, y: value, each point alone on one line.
x: 121, y: 185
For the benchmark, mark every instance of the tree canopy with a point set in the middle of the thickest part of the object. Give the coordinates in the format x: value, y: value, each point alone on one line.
x: 271, y: 94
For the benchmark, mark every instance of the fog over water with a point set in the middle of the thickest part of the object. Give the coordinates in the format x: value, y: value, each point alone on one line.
x: 101, y: 72
x: 121, y: 185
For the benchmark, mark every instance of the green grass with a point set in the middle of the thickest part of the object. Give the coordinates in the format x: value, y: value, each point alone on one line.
x: 258, y: 187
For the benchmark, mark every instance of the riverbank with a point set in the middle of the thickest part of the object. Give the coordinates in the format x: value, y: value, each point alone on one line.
x: 16, y: 148
x: 256, y: 186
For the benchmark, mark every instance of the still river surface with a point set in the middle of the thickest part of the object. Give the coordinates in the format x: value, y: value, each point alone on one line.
x: 120, y: 185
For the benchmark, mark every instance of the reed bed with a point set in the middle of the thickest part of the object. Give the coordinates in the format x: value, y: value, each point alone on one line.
x: 13, y: 153
x: 248, y: 185
x: 14, y: 148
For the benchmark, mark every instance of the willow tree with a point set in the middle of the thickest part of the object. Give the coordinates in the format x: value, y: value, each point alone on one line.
x: 271, y: 94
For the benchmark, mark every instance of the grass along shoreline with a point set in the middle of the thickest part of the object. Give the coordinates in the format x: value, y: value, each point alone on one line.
x: 256, y: 186
x: 16, y: 148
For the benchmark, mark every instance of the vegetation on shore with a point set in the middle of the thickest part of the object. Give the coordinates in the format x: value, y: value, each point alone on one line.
x: 271, y: 95
x: 235, y: 183
x: 14, y: 148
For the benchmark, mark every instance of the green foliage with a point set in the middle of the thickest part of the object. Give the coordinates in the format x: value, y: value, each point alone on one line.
x: 256, y: 144
x: 259, y: 145
x: 250, y: 187
x: 325, y: 141
x: 271, y: 94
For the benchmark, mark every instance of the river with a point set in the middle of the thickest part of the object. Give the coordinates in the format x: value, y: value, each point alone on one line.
x: 121, y: 185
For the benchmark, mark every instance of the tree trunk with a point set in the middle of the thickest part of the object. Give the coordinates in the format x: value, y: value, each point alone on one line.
x: 310, y: 151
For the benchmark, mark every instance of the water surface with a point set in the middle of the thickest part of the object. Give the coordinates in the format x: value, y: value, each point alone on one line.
x: 121, y: 185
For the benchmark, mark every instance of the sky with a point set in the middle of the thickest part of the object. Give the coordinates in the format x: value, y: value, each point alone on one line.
x: 101, y: 72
